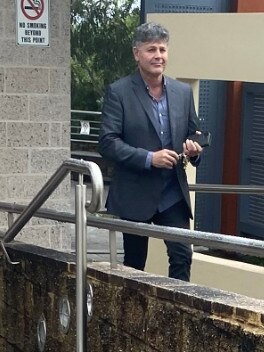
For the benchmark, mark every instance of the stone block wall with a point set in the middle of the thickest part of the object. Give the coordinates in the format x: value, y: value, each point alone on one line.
x: 133, y: 311
x: 35, y: 118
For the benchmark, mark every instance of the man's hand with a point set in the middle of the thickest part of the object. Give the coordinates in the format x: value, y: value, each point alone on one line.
x: 191, y: 148
x: 165, y: 158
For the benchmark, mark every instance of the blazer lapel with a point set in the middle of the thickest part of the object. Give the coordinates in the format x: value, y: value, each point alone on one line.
x: 141, y: 93
x: 174, y: 109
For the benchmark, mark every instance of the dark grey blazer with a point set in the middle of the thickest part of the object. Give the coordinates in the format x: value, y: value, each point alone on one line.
x: 129, y: 130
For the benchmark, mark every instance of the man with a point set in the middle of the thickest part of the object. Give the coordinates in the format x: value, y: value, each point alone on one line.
x: 146, y: 119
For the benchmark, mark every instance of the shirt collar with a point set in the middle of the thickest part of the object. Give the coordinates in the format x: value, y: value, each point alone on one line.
x: 164, y: 82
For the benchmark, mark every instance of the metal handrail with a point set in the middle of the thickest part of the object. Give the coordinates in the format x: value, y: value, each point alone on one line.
x: 82, y: 207
x: 212, y: 240
x: 198, y: 188
x: 86, y: 112
x: 82, y: 220
x: 235, y: 189
x: 79, y: 116
x: 174, y: 234
x: 80, y: 166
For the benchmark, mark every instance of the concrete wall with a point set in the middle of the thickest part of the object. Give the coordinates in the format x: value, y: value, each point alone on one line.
x: 133, y: 311
x: 221, y: 46
x: 34, y: 117
x: 228, y: 275
x: 224, y: 274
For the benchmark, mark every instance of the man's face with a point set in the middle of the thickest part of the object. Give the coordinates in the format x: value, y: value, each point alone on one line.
x: 151, y: 57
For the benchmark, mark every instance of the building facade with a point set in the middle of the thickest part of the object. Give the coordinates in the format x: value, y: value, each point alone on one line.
x: 34, y: 110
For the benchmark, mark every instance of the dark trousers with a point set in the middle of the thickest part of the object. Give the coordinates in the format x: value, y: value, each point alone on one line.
x: 180, y: 255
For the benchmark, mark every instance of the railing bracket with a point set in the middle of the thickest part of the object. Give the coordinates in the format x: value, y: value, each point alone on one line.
x: 7, y: 255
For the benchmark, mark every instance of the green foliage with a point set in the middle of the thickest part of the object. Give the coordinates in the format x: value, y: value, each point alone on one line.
x: 101, y: 35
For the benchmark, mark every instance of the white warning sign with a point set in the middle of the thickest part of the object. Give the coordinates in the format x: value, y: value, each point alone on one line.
x: 33, y: 22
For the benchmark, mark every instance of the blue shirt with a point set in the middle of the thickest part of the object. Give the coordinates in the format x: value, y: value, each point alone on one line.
x: 171, y: 192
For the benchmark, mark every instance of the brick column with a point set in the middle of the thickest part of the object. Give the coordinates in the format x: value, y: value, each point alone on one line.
x: 35, y: 119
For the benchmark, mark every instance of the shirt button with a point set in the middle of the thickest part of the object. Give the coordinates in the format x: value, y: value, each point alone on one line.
x: 160, y: 115
x: 161, y: 132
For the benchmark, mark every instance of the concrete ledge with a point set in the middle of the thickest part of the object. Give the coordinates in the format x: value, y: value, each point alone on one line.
x: 230, y: 275
x: 224, y: 274
x: 210, y: 300
x: 133, y: 310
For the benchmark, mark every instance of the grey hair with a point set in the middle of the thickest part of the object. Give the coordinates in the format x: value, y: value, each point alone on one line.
x: 150, y: 32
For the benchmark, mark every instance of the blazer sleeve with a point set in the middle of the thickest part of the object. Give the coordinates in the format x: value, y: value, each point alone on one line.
x: 111, y: 143
x: 193, y: 126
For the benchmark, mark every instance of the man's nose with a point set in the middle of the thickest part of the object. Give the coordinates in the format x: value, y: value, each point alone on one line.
x: 158, y: 53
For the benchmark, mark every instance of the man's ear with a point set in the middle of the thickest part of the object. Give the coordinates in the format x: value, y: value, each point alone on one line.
x: 135, y: 53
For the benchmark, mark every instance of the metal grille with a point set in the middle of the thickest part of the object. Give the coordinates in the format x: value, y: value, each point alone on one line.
x: 204, y: 99
x: 176, y: 8
x: 200, y: 202
x: 211, y: 114
x: 256, y: 203
x: 186, y: 6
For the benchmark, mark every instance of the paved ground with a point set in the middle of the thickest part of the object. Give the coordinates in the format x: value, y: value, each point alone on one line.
x: 97, y: 239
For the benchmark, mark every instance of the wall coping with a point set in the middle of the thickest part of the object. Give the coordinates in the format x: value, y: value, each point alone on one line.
x: 219, y: 304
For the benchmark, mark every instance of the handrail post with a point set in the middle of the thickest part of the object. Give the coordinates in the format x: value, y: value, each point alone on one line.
x: 81, y: 266
x: 113, y: 249
x: 10, y: 219
x: 80, y: 166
